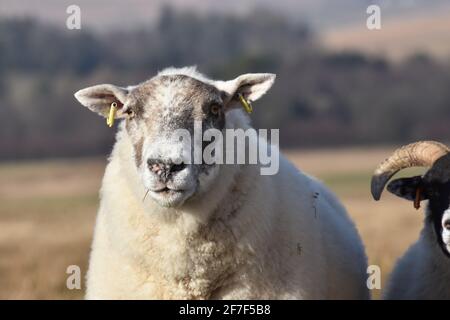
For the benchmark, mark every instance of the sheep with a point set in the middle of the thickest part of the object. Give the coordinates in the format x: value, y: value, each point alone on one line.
x: 170, y: 230
x: 424, y: 270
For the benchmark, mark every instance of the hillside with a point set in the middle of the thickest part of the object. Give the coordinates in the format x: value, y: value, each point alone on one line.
x: 428, y: 32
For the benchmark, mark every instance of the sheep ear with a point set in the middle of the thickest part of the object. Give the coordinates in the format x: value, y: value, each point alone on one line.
x: 99, y: 98
x: 251, y: 86
x: 406, y: 188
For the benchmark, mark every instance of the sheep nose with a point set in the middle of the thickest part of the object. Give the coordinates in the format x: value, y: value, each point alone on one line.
x: 447, y: 224
x: 177, y: 167
x: 164, y: 169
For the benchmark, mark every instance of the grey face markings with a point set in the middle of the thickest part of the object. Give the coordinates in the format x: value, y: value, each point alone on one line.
x: 169, y: 102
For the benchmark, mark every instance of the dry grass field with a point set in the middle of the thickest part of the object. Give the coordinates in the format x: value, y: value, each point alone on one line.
x: 47, y: 213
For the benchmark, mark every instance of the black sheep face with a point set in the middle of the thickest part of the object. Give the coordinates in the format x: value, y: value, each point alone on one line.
x: 434, y: 186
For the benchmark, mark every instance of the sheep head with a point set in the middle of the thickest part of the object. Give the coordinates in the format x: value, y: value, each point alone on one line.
x: 433, y: 186
x: 155, y: 109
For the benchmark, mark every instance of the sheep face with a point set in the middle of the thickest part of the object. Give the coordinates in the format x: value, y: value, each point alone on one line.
x: 159, y: 108
x: 434, y: 187
x: 156, y: 111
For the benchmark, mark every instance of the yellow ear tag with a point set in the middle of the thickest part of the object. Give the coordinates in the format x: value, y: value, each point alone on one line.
x: 112, y: 114
x: 247, y: 106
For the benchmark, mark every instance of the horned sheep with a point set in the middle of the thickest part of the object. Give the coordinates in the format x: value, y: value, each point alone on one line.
x: 424, y: 270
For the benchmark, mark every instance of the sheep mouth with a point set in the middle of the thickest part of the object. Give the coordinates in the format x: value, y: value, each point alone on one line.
x: 168, y: 197
x: 167, y: 190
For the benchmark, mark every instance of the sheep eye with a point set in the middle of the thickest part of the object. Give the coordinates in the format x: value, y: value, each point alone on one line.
x: 215, y: 109
x: 447, y: 224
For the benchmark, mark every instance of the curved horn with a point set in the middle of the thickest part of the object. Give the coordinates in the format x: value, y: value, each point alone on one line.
x: 419, y: 154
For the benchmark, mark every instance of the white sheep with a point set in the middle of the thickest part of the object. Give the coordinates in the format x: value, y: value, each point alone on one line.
x: 424, y: 271
x: 210, y: 231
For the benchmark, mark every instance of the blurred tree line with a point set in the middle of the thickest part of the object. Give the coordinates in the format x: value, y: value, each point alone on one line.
x: 320, y: 98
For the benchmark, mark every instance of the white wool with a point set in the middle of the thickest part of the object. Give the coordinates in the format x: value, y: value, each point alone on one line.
x: 249, y: 237
x: 190, y: 71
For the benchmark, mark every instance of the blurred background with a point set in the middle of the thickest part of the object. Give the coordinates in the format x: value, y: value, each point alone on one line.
x: 345, y: 97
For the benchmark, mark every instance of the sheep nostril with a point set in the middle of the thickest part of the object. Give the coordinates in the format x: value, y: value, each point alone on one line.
x: 154, y: 166
x: 177, y: 167
x: 161, y: 168
x: 447, y: 224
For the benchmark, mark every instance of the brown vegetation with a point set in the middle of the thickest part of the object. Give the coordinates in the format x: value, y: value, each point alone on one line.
x: 47, y: 213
